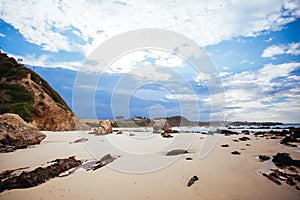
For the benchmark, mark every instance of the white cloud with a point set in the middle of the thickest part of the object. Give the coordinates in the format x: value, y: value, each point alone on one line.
x: 45, y: 61
x: 271, y: 51
x: 244, y: 61
x: 2, y: 35
x: 207, y: 22
x: 274, y: 50
x: 269, y: 94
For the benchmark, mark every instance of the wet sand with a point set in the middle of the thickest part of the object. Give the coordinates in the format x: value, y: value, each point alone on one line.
x: 221, y: 174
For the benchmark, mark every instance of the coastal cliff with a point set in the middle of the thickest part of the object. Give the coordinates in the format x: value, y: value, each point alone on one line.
x: 24, y: 92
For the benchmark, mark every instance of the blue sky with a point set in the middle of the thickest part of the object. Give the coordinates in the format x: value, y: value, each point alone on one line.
x: 255, y: 47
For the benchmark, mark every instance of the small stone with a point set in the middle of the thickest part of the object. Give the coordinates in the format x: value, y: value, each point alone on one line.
x: 176, y: 152
x: 263, y: 158
x: 235, y: 153
x: 192, y: 180
x: 224, y: 145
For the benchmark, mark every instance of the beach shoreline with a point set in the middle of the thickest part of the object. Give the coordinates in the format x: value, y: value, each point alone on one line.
x: 221, y: 174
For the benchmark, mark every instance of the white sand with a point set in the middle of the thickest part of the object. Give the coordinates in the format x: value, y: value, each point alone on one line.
x: 221, y: 175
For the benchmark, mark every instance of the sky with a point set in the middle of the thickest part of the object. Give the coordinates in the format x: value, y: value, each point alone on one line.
x: 249, y: 53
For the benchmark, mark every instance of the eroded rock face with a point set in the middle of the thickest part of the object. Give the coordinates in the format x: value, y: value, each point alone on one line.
x: 161, y: 125
x: 25, y: 93
x: 14, y: 131
x: 105, y: 127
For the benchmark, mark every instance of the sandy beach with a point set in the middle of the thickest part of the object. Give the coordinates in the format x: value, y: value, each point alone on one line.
x: 221, y: 174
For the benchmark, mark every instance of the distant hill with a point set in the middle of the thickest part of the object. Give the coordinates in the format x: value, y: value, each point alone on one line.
x: 24, y: 92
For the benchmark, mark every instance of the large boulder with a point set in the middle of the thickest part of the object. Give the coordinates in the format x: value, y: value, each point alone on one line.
x: 161, y: 126
x: 14, y: 131
x: 105, y: 127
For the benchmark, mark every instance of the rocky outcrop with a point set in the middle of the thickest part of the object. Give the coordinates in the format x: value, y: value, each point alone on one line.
x: 106, y: 159
x: 284, y: 160
x: 15, y: 132
x: 39, y: 175
x: 105, y: 127
x: 25, y: 93
x: 161, y: 126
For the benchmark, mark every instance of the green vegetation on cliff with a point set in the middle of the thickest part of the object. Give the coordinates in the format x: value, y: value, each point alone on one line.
x: 15, y: 98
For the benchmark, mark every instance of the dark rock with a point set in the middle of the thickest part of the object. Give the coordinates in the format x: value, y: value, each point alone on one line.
x: 192, y: 180
x: 79, y: 140
x: 176, y: 152
x: 295, y: 132
x: 272, y: 178
x: 7, y: 173
x: 39, y: 175
x: 226, y: 132
x: 284, y: 160
x: 248, y: 144
x: 6, y: 148
x: 288, y: 139
x: 246, y: 132
x: 244, y: 138
x: 102, y: 162
x: 166, y: 135
x: 235, y: 140
x: 290, y: 181
x: 224, y: 145
x: 235, y: 153
x: 188, y: 158
x: 263, y: 157
x: 131, y: 134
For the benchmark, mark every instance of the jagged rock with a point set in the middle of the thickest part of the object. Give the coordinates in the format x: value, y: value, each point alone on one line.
x: 284, y: 160
x: 224, y: 145
x: 290, y: 181
x: 102, y: 162
x: 263, y: 157
x: 287, y: 139
x: 176, y: 152
x: 105, y: 127
x: 161, y: 125
x: 39, y: 175
x: 192, y: 180
x: 272, y: 178
x: 235, y: 153
x: 15, y: 132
